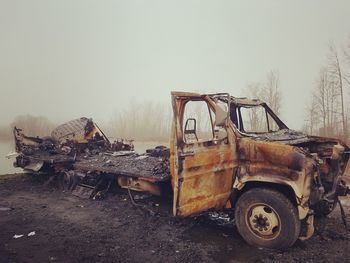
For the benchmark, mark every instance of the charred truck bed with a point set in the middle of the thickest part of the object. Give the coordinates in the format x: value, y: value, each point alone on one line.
x: 153, y: 169
x: 88, y: 163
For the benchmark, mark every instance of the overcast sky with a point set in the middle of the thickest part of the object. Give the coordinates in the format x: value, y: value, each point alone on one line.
x: 66, y: 59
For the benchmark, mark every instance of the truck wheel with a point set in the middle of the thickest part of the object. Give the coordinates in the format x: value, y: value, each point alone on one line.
x: 267, y: 218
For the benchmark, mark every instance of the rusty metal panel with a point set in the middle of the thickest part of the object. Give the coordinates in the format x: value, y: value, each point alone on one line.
x: 206, y: 180
x: 202, y: 171
x: 72, y: 130
x: 276, y: 163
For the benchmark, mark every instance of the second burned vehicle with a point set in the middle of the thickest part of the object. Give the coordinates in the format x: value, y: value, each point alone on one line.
x: 227, y: 153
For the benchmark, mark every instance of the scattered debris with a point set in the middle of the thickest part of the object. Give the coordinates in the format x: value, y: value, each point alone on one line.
x: 87, y: 163
x: 221, y: 218
x: 31, y: 234
x: 69, y: 140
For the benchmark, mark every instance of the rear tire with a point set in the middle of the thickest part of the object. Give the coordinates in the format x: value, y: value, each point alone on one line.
x: 267, y: 218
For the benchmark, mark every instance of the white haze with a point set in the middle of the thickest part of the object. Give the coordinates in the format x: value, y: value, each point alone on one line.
x: 65, y: 59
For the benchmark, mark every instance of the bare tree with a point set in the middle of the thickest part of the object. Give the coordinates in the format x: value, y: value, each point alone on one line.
x: 270, y: 93
x: 144, y: 121
x: 329, y: 98
x: 346, y: 74
x: 320, y: 97
x: 254, y: 91
x: 326, y: 100
x: 313, y: 118
x: 335, y: 74
x: 33, y: 125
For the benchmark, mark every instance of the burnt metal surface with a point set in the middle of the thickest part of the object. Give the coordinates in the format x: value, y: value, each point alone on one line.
x: 49, y: 162
x: 76, y: 129
x: 202, y: 170
x: 309, y: 169
x: 39, y: 154
x: 69, y: 140
x: 134, y: 165
x: 87, y: 164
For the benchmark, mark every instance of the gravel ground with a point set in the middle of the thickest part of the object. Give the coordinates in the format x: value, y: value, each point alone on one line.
x: 71, y: 229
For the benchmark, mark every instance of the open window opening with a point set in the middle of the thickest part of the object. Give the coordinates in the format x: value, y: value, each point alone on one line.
x: 198, y: 125
x: 254, y: 119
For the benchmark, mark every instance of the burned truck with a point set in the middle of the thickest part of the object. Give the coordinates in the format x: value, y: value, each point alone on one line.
x: 226, y: 153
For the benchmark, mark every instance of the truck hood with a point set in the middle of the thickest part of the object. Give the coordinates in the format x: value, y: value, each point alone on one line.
x: 322, y: 146
x: 292, y: 137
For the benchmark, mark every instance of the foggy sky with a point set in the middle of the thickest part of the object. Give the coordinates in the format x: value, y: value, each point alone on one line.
x: 66, y: 59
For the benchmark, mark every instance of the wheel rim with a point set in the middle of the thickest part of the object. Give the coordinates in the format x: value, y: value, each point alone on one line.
x: 263, y: 221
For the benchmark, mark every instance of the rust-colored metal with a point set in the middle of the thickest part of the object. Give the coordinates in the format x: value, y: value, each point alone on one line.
x: 202, y: 171
x: 206, y: 173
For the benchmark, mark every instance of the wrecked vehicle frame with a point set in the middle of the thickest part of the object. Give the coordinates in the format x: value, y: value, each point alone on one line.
x: 87, y: 162
x: 273, y: 178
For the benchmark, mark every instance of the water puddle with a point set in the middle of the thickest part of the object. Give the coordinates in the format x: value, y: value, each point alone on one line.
x: 6, y: 165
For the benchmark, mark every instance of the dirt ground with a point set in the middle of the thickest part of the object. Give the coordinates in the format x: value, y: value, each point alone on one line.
x: 71, y: 229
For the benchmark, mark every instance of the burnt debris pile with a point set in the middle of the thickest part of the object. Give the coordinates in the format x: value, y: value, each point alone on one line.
x: 87, y: 162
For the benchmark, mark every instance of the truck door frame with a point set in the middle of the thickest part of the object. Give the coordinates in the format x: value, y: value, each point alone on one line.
x: 202, y: 170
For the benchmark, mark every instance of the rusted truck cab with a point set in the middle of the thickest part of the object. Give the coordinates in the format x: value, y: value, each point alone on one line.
x: 235, y: 153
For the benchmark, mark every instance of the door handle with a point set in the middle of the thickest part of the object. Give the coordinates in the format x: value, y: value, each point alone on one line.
x: 189, y: 153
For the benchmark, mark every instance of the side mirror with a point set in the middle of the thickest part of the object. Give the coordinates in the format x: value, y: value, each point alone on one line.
x: 190, y: 129
x: 220, y: 116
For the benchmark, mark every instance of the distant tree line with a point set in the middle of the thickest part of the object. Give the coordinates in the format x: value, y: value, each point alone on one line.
x: 32, y: 126
x: 328, y: 110
x: 144, y: 121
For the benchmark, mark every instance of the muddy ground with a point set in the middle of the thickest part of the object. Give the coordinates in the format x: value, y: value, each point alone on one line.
x: 71, y: 229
